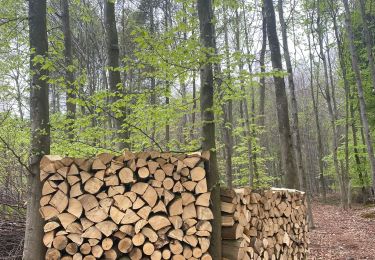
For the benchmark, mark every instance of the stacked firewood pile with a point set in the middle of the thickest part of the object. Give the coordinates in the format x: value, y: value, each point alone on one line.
x: 148, y: 205
x: 268, y: 224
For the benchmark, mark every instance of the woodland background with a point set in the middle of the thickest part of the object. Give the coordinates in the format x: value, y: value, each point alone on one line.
x: 127, y: 75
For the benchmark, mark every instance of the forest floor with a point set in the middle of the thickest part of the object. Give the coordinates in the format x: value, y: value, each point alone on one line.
x: 342, y: 234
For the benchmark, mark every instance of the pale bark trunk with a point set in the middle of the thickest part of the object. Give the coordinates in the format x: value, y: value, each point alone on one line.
x: 294, y: 106
x: 205, y: 15
x: 228, y: 112
x: 167, y: 101
x: 70, y: 89
x: 152, y: 79
x: 330, y: 109
x: 183, y: 84
x: 344, y: 170
x: 262, y: 87
x: 368, y: 42
x: 361, y: 98
x: 347, y: 104
x: 356, y: 153
x: 252, y: 158
x: 40, y: 130
x: 193, y: 115
x: 287, y: 154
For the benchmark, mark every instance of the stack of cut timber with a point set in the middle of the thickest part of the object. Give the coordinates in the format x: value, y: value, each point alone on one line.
x: 268, y: 224
x: 147, y: 205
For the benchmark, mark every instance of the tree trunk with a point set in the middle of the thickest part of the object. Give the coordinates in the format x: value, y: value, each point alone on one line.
x: 205, y: 15
x: 183, y: 85
x: 317, y: 122
x: 70, y: 90
x: 287, y: 154
x: 330, y: 109
x: 252, y: 159
x: 356, y: 153
x: 347, y: 101
x: 262, y: 87
x: 228, y: 110
x: 362, y: 104
x: 193, y: 116
x: 113, y: 53
x: 152, y: 79
x: 40, y: 130
x: 167, y: 90
x: 294, y: 107
x: 367, y: 39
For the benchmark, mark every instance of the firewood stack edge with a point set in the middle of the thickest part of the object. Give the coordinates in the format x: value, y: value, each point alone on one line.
x: 152, y: 205
x: 266, y: 224
x: 147, y: 205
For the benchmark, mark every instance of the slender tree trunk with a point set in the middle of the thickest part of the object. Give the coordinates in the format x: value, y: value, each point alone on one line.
x: 113, y: 53
x: 347, y: 180
x: 362, y: 104
x: 167, y: 91
x: 184, y: 121
x: 287, y: 154
x: 356, y: 152
x: 40, y: 130
x: 347, y: 100
x: 194, y: 107
x: 70, y: 89
x: 205, y: 15
x: 152, y: 78
x: 333, y: 88
x: 344, y: 172
x: 17, y: 81
x: 262, y: 87
x: 19, y: 95
x: 330, y: 108
x: 368, y: 42
x: 294, y: 107
x: 252, y: 157
x: 228, y: 111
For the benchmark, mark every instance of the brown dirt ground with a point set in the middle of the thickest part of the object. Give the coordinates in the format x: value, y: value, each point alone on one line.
x: 342, y: 234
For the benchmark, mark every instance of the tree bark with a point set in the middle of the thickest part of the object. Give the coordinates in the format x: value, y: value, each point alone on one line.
x: 330, y: 108
x: 193, y: 116
x: 361, y: 98
x: 252, y: 158
x: 70, y: 89
x: 262, y: 87
x: 367, y: 40
x: 228, y: 110
x: 114, y: 76
x: 347, y: 101
x: 356, y: 152
x: 287, y: 154
x: 205, y: 15
x: 294, y: 107
x: 167, y: 90
x: 152, y: 79
x: 40, y: 129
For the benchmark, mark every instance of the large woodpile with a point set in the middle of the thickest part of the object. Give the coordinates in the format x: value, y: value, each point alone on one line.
x: 148, y: 205
x: 153, y: 205
x: 268, y: 224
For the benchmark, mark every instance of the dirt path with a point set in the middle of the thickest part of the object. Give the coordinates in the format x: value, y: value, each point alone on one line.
x: 342, y: 234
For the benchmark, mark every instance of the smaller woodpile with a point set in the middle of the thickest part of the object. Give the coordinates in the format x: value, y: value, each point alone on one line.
x: 268, y: 224
x: 147, y: 205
